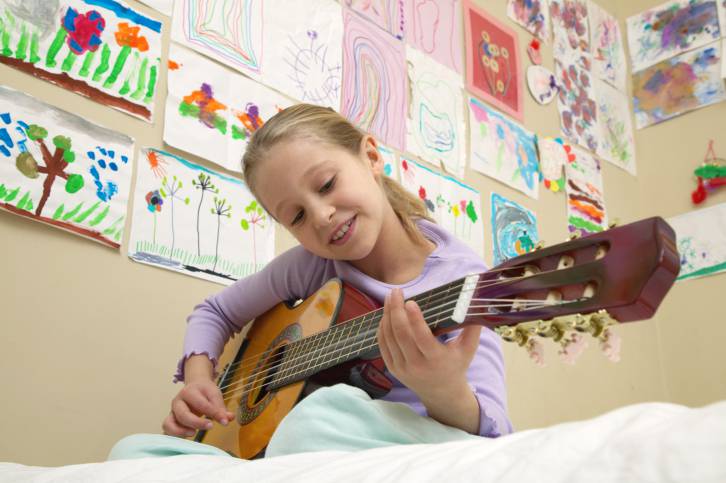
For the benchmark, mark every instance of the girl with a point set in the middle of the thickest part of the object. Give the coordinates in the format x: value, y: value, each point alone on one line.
x: 322, y: 179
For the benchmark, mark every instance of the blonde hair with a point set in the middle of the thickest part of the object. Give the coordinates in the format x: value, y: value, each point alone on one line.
x: 307, y: 120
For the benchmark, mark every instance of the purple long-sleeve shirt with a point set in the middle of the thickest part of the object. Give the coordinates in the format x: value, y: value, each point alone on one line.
x: 297, y: 274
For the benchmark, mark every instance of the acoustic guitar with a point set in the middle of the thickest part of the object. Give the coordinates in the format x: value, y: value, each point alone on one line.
x: 585, y: 284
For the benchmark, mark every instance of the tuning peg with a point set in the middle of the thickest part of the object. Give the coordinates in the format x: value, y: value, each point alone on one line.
x: 614, y: 223
x: 539, y: 245
x: 610, y: 344
x: 518, y: 334
x: 550, y: 328
x: 572, y: 347
x: 574, y: 235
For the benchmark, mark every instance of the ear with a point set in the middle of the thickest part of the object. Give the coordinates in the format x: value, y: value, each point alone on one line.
x: 371, y: 155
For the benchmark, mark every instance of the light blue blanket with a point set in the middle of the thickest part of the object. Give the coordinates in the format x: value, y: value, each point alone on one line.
x: 340, y: 417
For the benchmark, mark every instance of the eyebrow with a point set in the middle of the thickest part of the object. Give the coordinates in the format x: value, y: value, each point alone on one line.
x: 307, y: 174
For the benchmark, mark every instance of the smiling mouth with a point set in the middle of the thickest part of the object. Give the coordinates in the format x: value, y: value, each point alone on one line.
x: 343, y: 232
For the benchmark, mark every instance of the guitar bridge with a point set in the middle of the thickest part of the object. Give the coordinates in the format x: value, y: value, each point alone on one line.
x: 464, y: 300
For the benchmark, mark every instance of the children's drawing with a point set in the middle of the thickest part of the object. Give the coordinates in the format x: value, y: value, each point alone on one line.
x: 678, y: 85
x: 454, y: 205
x: 62, y: 170
x: 211, y: 111
x: 585, y: 198
x: 303, y: 50
x: 721, y: 7
x: 390, y: 161
x: 100, y: 49
x: 571, y: 32
x: 617, y: 143
x: 229, y: 32
x: 533, y: 15
x: 493, y: 70
x: 435, y: 29
x: 163, y: 6
x: 387, y: 14
x: 514, y: 229
x: 374, y: 81
x: 710, y: 175
x: 502, y: 149
x: 197, y: 221
x: 701, y: 236
x: 542, y: 84
x: 554, y: 154
x: 723, y: 57
x: 670, y: 29
x: 577, y: 106
x: 435, y: 124
x: 608, y: 53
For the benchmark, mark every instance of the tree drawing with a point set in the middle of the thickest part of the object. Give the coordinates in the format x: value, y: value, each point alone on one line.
x: 171, y: 191
x: 202, y: 183
x: 55, y: 163
x: 254, y: 215
x: 221, y: 208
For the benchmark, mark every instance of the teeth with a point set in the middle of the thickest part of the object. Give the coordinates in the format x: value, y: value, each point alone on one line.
x: 342, y: 231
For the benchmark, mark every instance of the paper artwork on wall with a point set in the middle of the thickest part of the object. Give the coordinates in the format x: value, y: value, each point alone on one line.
x: 554, y: 154
x: 617, y: 143
x: 163, y: 6
x: 196, y: 221
x: 514, y: 229
x: 571, y: 32
x: 608, y: 52
x: 454, y: 205
x: 723, y: 57
x: 585, y: 197
x: 228, y: 32
x: 576, y: 105
x: 103, y: 50
x: 374, y: 81
x: 435, y: 124
x: 670, y: 29
x: 386, y: 14
x: 212, y: 111
x: 493, y: 68
x: 678, y: 85
x: 542, y: 84
x: 303, y: 54
x: 533, y: 15
x: 62, y: 170
x: 721, y: 5
x: 390, y: 161
x: 502, y: 149
x: 434, y: 28
x: 701, y: 238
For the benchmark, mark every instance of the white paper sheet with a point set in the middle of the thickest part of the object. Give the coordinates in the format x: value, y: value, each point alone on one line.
x: 617, y: 142
x: 701, y: 242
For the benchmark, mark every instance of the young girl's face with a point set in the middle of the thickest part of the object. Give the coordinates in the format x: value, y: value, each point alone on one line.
x: 328, y: 198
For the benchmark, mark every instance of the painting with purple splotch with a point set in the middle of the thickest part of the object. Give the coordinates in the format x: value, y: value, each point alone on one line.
x: 304, y: 58
x: 670, y: 29
x: 502, y: 149
x: 608, y: 53
x: 212, y: 111
x: 196, y: 221
x: 435, y: 29
x: 533, y: 15
x: 61, y: 170
x: 451, y: 203
x: 576, y: 104
x: 678, y: 85
x: 571, y: 32
x: 374, y: 81
x: 386, y: 14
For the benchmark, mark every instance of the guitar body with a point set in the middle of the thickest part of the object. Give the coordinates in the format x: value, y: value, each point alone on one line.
x: 257, y: 411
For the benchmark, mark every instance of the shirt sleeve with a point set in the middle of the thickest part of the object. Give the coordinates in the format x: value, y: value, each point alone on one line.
x: 290, y: 276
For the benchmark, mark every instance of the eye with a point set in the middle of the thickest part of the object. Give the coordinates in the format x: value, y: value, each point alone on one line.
x: 327, y: 186
x: 298, y: 218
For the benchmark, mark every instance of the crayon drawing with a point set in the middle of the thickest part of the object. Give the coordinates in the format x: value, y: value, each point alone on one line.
x: 514, y: 229
x: 585, y: 198
x: 229, y: 32
x: 100, y: 49
x: 196, y: 221
x: 435, y: 125
x: 608, y: 53
x: 374, y: 81
x: 554, y: 154
x: 454, y: 205
x: 386, y: 14
x: 60, y: 169
x: 577, y: 106
x: 502, y: 149
x: 304, y: 58
x: 670, y: 29
x: 435, y: 29
x: 493, y: 70
x: 701, y: 238
x: 617, y: 143
x: 571, y: 32
x: 533, y: 15
x: 212, y: 111
x: 678, y: 85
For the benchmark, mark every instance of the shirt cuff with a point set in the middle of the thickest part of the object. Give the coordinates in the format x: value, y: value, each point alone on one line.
x: 179, y: 374
x: 488, y: 426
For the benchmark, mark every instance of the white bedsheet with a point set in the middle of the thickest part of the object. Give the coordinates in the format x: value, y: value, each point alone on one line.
x: 645, y: 442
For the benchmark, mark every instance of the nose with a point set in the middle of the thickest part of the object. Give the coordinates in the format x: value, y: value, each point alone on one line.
x: 323, y: 214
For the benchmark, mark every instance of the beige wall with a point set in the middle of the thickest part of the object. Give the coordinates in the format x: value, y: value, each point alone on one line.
x: 90, y: 338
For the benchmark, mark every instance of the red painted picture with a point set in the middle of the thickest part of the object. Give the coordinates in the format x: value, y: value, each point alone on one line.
x: 493, y: 70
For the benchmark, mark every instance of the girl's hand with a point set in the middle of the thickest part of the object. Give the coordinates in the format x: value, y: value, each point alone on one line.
x: 198, y: 398
x: 433, y: 370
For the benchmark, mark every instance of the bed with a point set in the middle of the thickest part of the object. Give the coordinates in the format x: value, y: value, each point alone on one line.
x: 642, y: 442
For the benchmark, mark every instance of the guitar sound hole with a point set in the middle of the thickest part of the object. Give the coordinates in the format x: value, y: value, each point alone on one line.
x: 266, y: 377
